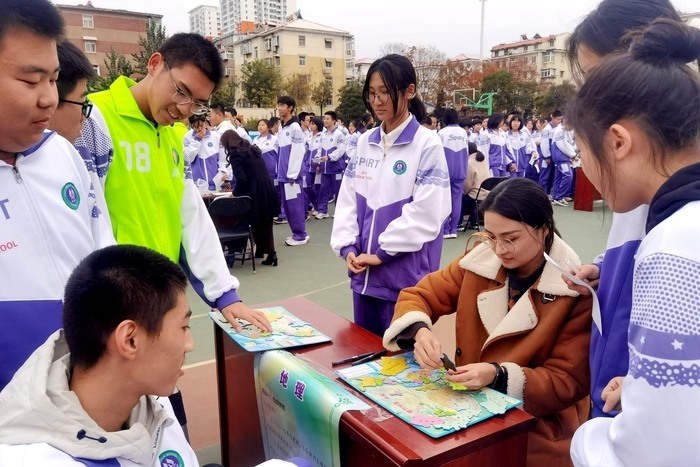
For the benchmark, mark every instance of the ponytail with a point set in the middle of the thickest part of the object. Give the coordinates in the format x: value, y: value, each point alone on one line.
x: 417, y: 108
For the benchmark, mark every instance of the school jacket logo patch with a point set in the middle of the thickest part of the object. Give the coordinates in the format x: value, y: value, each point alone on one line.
x: 70, y: 196
x: 400, y: 168
x: 171, y: 459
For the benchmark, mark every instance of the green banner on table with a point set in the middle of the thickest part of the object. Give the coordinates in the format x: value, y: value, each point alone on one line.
x: 300, y: 409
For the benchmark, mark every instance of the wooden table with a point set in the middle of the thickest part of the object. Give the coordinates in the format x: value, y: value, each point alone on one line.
x: 585, y: 193
x: 499, y: 441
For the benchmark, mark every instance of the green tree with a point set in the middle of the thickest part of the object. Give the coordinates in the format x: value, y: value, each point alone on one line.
x: 501, y: 82
x: 298, y: 86
x: 350, y: 105
x: 155, y: 36
x: 557, y: 97
x: 116, y: 65
x: 261, y: 83
x: 525, y: 96
x: 322, y: 93
x: 226, y: 94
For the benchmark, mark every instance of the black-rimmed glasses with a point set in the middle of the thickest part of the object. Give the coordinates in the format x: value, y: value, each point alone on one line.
x: 86, y: 106
x: 181, y: 98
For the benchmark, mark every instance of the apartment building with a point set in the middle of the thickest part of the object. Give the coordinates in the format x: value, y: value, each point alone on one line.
x: 205, y: 20
x: 542, y: 59
x: 242, y: 16
x: 300, y: 46
x: 96, y: 31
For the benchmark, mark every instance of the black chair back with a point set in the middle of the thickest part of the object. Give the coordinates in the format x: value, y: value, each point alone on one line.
x: 237, y: 207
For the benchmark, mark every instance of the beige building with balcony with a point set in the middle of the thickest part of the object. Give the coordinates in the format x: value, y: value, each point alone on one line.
x: 97, y: 30
x: 300, y: 46
x: 545, y: 55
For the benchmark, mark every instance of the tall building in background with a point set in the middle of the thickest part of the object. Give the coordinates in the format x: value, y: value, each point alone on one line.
x: 542, y: 59
x: 96, y: 31
x: 240, y: 16
x: 205, y: 20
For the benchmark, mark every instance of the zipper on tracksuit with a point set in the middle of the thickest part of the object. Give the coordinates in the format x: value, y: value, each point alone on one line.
x: 37, y: 220
x: 371, y: 233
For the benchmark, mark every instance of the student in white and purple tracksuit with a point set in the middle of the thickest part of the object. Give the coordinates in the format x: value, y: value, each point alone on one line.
x: 292, y: 150
x: 562, y: 155
x: 394, y: 198
x: 267, y: 142
x: 332, y: 152
x: 644, y: 150
x: 454, y: 140
x: 522, y: 146
x: 546, y: 167
x: 312, y: 174
x: 206, y: 156
x: 493, y: 144
x: 533, y: 169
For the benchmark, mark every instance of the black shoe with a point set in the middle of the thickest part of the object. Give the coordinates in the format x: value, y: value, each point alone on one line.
x: 271, y: 259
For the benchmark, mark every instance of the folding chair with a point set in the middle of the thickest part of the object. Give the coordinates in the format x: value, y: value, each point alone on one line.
x: 237, y: 235
x: 487, y: 185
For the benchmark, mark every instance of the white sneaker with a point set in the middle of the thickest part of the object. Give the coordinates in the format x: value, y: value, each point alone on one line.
x: 314, y: 212
x: 322, y: 215
x: 453, y: 235
x: 292, y: 242
x: 446, y: 236
x: 568, y: 199
x: 560, y: 202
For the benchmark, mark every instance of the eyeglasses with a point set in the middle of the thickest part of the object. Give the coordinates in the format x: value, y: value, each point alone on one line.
x: 506, y: 244
x: 383, y: 96
x: 86, y: 106
x: 181, y: 98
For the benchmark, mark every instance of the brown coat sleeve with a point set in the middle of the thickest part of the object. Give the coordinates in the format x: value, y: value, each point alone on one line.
x: 434, y: 296
x: 564, y: 379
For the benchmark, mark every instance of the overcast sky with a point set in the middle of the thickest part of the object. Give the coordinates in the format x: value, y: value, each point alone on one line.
x: 453, y: 26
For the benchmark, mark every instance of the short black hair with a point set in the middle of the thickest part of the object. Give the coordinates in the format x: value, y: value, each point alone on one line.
x: 274, y: 121
x: 333, y: 115
x: 232, y: 111
x: 318, y: 122
x: 197, y: 118
x: 288, y: 101
x: 465, y: 123
x: 450, y: 117
x: 74, y: 67
x: 427, y: 120
x: 218, y: 107
x: 111, y: 285
x: 185, y: 48
x: 557, y: 113
x: 40, y: 17
x: 495, y: 121
x: 477, y: 121
x: 302, y: 116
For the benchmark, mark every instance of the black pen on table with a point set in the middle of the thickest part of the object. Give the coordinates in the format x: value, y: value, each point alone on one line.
x: 352, y: 359
x: 368, y: 358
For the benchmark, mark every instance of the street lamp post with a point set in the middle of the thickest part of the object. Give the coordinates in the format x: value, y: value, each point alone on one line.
x: 481, y: 43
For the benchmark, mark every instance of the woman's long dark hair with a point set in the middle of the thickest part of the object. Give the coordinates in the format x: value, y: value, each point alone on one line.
x: 235, y: 146
x: 397, y: 74
x: 523, y: 200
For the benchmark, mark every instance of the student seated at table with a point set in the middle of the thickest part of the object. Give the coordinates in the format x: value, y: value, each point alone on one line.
x: 205, y: 154
x: 520, y: 330
x: 95, y: 393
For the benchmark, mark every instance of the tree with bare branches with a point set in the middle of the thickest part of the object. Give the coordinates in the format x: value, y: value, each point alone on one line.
x: 393, y: 48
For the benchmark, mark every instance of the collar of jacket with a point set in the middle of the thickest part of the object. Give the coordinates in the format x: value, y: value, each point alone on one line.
x: 681, y: 188
x: 493, y: 303
x: 405, y: 137
x: 290, y: 121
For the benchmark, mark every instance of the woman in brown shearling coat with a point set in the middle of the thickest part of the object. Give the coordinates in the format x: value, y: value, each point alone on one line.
x: 520, y: 330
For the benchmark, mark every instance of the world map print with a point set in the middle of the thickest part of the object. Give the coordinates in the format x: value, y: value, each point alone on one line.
x: 424, y: 398
x: 287, y: 331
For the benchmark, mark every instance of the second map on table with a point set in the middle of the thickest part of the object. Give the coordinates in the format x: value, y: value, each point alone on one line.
x: 287, y: 331
x: 424, y: 398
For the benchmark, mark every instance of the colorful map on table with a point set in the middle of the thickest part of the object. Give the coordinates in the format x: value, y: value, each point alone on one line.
x: 287, y: 331
x: 424, y: 398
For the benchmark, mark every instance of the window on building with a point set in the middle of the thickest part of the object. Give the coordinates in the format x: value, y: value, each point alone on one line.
x: 88, y: 22
x: 495, y: 54
x: 255, y: 52
x: 302, y: 60
x: 548, y: 57
x: 561, y: 74
x: 278, y: 62
x: 537, y: 46
x: 551, y: 43
x: 533, y: 59
x: 329, y: 64
x: 548, y: 73
x: 302, y: 41
x: 268, y: 61
x: 329, y: 44
x: 90, y: 46
x: 524, y: 48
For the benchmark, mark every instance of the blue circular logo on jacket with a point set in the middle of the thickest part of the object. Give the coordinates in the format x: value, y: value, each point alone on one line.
x: 210, y: 144
x: 171, y: 459
x: 400, y: 168
x: 70, y: 196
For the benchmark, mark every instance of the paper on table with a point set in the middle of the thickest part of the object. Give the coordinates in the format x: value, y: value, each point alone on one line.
x: 291, y: 191
x: 596, y: 305
x: 218, y: 180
